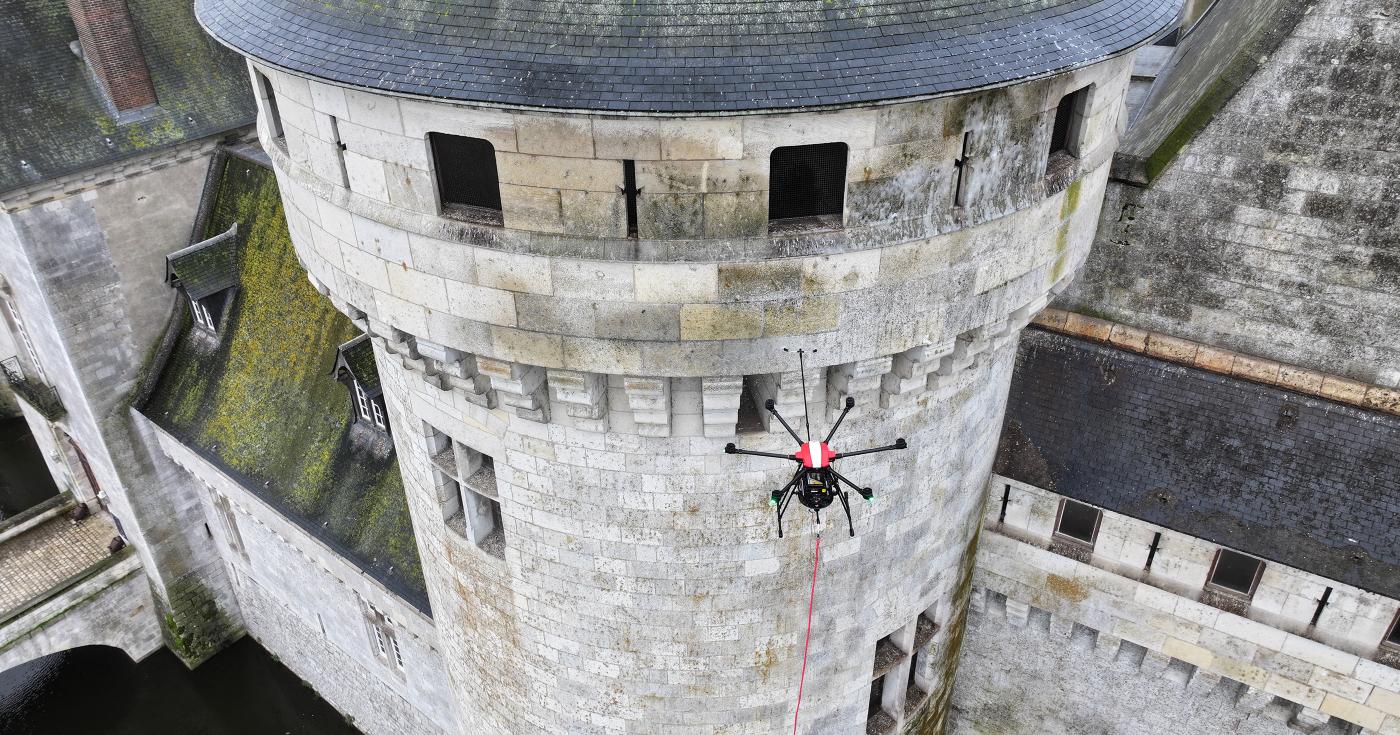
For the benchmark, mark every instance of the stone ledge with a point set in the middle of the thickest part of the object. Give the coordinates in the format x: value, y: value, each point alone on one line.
x: 1224, y: 362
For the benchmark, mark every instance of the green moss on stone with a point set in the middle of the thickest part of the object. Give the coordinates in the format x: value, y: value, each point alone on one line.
x: 263, y: 402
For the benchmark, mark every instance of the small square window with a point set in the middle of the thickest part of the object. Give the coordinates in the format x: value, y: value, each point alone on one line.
x: 1235, y: 572
x: 1078, y: 522
x: 807, y: 183
x: 1069, y: 123
x: 468, y: 185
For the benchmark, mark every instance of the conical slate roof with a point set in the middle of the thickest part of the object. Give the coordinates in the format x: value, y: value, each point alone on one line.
x: 680, y: 55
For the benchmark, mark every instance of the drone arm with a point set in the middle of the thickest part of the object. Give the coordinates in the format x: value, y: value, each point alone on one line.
x: 731, y: 449
x: 850, y: 403
x: 773, y: 409
x: 866, y: 493
x: 898, y: 444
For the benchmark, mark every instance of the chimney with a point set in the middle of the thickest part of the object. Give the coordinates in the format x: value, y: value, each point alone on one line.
x: 108, y: 40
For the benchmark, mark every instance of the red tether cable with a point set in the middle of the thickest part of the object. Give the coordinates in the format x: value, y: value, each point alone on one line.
x: 811, y: 601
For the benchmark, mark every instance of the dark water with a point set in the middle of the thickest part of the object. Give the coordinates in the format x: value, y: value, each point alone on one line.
x: 98, y: 690
x: 24, y: 479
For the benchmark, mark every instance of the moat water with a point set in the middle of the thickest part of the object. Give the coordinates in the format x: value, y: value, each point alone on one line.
x: 24, y: 479
x: 241, y: 691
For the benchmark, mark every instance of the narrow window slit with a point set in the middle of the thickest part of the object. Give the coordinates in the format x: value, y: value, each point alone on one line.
x: 630, y: 191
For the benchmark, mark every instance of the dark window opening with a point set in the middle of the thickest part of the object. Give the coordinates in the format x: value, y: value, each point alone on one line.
x: 630, y: 191
x: 1064, y: 136
x: 964, y: 170
x: 1392, y: 636
x: 208, y: 311
x: 1236, y: 572
x: 750, y: 417
x: 1322, y: 605
x: 340, y: 149
x: 1078, y: 521
x: 468, y: 185
x: 876, y: 689
x: 1152, y: 551
x: 807, y: 184
x: 274, y: 118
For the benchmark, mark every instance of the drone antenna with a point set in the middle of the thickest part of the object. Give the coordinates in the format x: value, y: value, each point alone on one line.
x: 802, y: 370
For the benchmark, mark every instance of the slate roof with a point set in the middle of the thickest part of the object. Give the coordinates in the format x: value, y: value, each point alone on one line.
x: 206, y: 267
x: 56, y: 121
x: 680, y: 55
x: 1300, y: 481
x: 357, y: 356
x: 262, y: 407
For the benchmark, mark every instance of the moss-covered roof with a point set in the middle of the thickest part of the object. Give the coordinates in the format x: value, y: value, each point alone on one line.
x: 357, y: 356
x: 207, y: 267
x: 264, y: 406
x: 56, y: 121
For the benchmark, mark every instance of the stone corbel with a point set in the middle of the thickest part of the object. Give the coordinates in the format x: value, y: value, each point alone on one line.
x: 583, y: 396
x: 859, y: 380
x: 520, y: 388
x: 650, y: 400
x: 909, y: 371
x: 719, y: 404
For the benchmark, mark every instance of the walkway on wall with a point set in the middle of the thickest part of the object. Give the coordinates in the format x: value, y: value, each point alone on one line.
x: 60, y: 589
x: 45, y: 556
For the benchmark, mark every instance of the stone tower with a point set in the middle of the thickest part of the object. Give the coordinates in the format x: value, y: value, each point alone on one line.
x: 584, y: 238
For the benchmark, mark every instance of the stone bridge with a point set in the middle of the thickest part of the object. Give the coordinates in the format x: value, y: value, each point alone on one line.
x: 61, y: 589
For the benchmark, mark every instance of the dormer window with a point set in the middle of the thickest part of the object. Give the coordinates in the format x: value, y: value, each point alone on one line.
x: 207, y: 274
x: 370, y: 409
x: 354, y: 366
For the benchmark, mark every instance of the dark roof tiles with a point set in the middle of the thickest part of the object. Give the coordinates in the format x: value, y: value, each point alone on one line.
x: 675, y: 55
x: 1296, y: 480
x: 207, y: 267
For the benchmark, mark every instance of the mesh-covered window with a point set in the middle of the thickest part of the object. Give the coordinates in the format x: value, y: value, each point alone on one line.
x: 466, y: 172
x: 807, y: 181
x: 1236, y: 572
x: 1064, y: 137
x: 1078, y: 521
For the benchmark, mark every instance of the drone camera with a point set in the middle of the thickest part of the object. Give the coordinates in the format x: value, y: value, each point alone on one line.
x: 850, y: 402
x: 730, y: 448
x: 900, y: 443
x: 768, y: 404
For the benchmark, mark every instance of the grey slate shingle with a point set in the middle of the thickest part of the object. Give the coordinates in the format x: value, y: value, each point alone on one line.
x: 681, y: 55
x: 1210, y: 456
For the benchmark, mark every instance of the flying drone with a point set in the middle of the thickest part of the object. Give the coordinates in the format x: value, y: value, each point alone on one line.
x: 816, y: 484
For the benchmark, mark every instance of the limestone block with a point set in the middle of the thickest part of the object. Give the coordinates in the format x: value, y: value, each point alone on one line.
x: 584, y: 396
x: 1353, y: 712
x: 555, y: 135
x: 377, y: 111
x: 1017, y: 612
x: 700, y: 139
x: 519, y: 387
x: 860, y: 380
x: 720, y: 399
x: 909, y: 371
x: 650, y: 401
x: 676, y: 283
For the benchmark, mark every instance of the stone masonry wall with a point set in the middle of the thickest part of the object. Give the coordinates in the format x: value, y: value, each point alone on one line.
x: 310, y: 607
x: 1274, y: 231
x: 84, y: 272
x: 634, y: 581
x: 1162, y: 621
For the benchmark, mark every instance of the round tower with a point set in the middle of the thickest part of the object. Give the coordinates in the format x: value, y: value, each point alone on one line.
x: 588, y: 241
